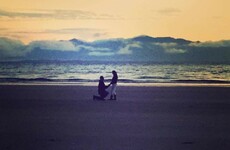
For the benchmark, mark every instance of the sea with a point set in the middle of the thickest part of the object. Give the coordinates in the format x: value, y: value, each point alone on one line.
x: 80, y: 72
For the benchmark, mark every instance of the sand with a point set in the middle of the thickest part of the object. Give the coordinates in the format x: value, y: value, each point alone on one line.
x: 52, y: 117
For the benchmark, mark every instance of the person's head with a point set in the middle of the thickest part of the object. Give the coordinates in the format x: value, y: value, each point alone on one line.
x: 114, y: 72
x: 101, y: 78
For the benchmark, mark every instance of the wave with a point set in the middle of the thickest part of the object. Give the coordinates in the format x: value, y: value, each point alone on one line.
x: 153, y: 77
x: 202, y: 81
x: 24, y: 79
x: 18, y: 80
x: 30, y: 80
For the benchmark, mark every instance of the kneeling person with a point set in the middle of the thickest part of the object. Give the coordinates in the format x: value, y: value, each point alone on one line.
x: 101, y: 90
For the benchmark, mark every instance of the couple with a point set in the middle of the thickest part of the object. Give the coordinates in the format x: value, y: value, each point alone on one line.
x: 101, y: 88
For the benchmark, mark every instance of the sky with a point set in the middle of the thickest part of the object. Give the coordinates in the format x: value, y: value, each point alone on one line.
x: 89, y: 20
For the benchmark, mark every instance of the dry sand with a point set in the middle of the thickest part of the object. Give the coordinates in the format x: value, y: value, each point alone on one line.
x: 42, y: 117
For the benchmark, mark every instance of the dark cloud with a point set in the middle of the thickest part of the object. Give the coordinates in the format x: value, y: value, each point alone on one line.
x: 9, y: 14
x: 136, y: 49
x: 11, y: 48
x: 56, y: 14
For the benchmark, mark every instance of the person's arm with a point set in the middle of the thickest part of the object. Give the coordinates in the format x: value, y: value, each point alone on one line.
x: 107, y: 86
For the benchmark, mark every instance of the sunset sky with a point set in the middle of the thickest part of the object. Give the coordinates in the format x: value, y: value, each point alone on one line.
x: 29, y: 20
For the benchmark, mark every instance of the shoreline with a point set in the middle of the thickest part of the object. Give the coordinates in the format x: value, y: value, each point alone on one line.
x: 166, y: 84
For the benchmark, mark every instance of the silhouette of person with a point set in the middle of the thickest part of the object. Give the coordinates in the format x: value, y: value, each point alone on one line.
x: 113, y: 95
x: 101, y: 90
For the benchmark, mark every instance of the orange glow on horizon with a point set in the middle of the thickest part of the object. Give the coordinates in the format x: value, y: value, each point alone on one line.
x: 29, y: 20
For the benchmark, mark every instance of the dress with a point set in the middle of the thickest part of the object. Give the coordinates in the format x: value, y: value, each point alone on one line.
x: 114, y: 84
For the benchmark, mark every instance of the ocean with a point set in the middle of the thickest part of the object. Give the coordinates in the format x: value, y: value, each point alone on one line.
x: 128, y: 72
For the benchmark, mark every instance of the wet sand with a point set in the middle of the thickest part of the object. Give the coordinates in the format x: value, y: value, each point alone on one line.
x: 52, y: 117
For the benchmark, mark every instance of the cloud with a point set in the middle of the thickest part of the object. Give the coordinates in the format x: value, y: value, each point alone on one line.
x: 172, y: 48
x: 88, y: 34
x: 101, y: 53
x: 97, y: 51
x: 223, y: 43
x: 128, y: 48
x: 57, y: 14
x: 13, y: 35
x: 97, y: 35
x: 175, y: 51
x: 91, y: 48
x: 82, y: 32
x: 54, y: 45
x: 11, y: 48
x: 113, y: 49
x: 166, y: 45
x: 169, y: 11
x: 11, y: 14
x: 72, y: 30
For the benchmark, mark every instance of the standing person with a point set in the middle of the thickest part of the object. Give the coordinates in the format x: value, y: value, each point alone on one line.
x: 101, y: 90
x: 113, y: 95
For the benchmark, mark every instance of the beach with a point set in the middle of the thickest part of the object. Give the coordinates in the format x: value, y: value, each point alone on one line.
x: 65, y: 117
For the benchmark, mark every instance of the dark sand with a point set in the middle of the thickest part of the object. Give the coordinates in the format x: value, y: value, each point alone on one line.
x: 42, y: 117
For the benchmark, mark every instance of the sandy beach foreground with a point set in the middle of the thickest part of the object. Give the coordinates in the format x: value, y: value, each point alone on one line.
x: 48, y: 117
